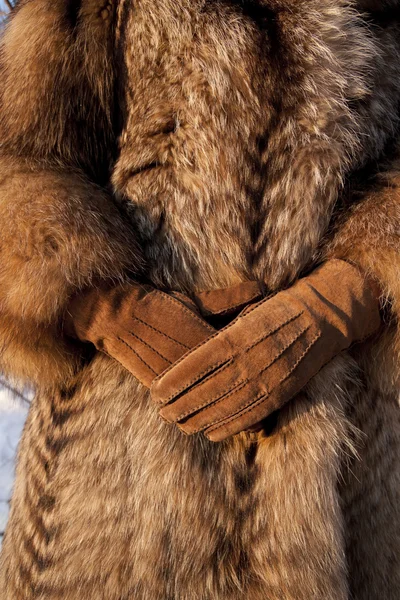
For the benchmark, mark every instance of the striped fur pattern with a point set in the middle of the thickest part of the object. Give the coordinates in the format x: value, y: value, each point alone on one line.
x: 239, y: 133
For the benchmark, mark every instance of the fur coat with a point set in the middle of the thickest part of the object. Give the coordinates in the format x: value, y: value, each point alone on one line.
x: 202, y: 142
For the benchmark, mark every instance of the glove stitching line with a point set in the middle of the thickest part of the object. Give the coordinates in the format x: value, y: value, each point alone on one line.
x: 159, y: 377
x: 122, y: 365
x: 271, y: 331
x: 185, y: 309
x: 161, y: 333
x: 139, y: 357
x: 251, y: 406
x: 148, y: 345
x: 286, y: 347
x: 292, y: 341
x: 186, y: 355
x: 222, y: 396
x: 187, y: 385
x: 208, y: 370
x: 192, y: 350
x: 223, y: 421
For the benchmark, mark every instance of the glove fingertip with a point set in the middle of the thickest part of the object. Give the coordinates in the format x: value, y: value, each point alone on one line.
x: 159, y: 391
x: 166, y: 416
x: 217, y: 435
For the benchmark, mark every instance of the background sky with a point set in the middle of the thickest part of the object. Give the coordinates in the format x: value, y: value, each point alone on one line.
x: 12, y: 417
x: 3, y: 5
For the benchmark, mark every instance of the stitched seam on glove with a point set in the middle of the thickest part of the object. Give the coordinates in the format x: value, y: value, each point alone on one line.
x: 271, y: 331
x: 251, y: 406
x: 224, y: 363
x: 120, y: 363
x: 148, y: 346
x: 290, y: 343
x: 156, y: 379
x: 222, y: 396
x: 261, y: 396
x: 160, y: 332
x: 136, y: 354
x: 184, y: 309
x: 305, y: 328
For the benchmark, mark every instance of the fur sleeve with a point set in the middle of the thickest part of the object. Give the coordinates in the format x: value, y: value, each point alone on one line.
x: 369, y: 236
x: 59, y: 232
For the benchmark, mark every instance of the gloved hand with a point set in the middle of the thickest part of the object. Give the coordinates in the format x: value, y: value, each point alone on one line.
x: 147, y: 330
x: 252, y: 367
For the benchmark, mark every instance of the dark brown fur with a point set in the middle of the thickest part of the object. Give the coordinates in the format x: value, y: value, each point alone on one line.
x: 236, y: 130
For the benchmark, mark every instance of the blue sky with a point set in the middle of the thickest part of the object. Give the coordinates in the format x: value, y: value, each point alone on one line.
x: 3, y: 5
x: 12, y: 416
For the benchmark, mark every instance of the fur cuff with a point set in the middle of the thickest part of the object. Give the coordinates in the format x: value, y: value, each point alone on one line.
x: 370, y: 238
x: 60, y: 233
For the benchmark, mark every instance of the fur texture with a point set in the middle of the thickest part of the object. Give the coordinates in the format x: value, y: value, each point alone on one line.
x: 237, y: 136
x: 60, y: 230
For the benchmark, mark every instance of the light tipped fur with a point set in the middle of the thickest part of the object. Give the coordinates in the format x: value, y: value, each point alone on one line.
x: 237, y: 132
x: 60, y: 230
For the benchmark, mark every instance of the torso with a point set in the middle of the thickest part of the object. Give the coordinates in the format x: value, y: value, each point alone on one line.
x: 235, y: 136
x: 211, y: 172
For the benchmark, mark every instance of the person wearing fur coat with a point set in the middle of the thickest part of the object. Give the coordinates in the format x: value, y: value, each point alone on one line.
x: 221, y: 176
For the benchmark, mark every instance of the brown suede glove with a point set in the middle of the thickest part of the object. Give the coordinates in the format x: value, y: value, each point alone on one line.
x: 147, y: 330
x: 255, y: 365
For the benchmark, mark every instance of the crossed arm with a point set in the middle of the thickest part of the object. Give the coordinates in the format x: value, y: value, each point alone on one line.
x: 62, y: 233
x: 257, y: 364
